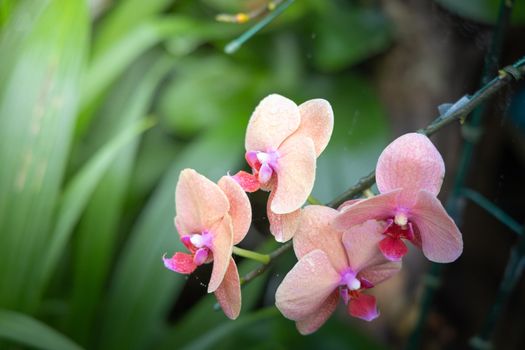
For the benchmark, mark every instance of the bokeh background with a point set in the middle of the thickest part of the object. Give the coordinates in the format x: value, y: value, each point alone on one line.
x: 103, y: 102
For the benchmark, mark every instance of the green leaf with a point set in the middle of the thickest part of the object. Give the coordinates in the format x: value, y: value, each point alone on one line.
x: 122, y: 18
x: 142, y: 289
x: 485, y: 11
x: 201, y: 95
x: 40, y: 69
x: 109, y: 64
x: 97, y: 233
x: 346, y: 35
x: 76, y: 196
x: 212, y: 339
x: 27, y: 331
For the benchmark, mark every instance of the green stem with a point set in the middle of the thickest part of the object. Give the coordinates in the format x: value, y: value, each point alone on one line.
x: 474, y: 126
x: 513, y: 273
x: 263, y: 258
x: 312, y: 200
x: 237, y: 43
x: 493, y: 209
x: 483, y: 94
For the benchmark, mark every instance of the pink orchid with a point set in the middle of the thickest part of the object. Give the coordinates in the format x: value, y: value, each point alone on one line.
x: 211, y: 219
x: 282, y: 143
x: 332, y: 263
x: 409, y: 175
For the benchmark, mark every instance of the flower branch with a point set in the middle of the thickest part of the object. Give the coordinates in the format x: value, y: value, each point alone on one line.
x: 457, y: 111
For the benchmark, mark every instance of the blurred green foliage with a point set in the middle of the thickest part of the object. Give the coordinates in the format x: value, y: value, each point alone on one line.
x: 485, y: 11
x: 86, y: 195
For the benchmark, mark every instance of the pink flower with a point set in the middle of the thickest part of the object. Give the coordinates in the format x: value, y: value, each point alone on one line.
x: 282, y: 143
x: 332, y: 264
x: 409, y: 175
x: 210, y: 220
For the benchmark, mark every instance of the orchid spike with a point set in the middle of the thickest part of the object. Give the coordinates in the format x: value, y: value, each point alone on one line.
x: 332, y: 264
x: 282, y: 143
x: 211, y: 218
x: 409, y: 175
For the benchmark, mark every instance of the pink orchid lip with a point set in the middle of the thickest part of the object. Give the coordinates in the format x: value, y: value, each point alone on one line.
x: 350, y: 285
x: 199, y: 245
x: 264, y: 164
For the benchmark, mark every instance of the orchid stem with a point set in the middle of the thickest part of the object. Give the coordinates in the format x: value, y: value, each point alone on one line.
x: 512, y: 73
x: 234, y: 45
x: 312, y: 200
x: 368, y: 193
x: 263, y: 258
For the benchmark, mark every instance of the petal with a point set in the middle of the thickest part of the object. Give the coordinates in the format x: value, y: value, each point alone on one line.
x: 348, y: 203
x: 363, y: 307
x: 394, y: 249
x: 181, y: 263
x: 317, y: 123
x: 199, y: 202
x: 440, y: 237
x: 316, y: 232
x: 229, y: 292
x: 379, y: 207
x: 222, y: 246
x: 295, y: 174
x: 361, y: 244
x: 306, y: 287
x: 410, y: 162
x: 283, y: 226
x: 240, y: 208
x: 315, y: 320
x: 380, y: 272
x: 274, y: 119
x: 247, y: 181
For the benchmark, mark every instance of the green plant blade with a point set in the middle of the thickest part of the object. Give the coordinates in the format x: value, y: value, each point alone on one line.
x: 77, y: 194
x: 98, y: 230
x: 122, y: 18
x: 40, y: 70
x: 109, y: 64
x: 210, y: 339
x: 27, y: 331
x: 142, y: 288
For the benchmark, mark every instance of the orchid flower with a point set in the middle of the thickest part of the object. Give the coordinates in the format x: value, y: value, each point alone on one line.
x: 282, y: 143
x: 211, y: 219
x: 332, y: 264
x: 409, y: 175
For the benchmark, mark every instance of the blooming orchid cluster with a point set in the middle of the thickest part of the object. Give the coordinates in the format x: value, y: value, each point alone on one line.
x: 341, y: 253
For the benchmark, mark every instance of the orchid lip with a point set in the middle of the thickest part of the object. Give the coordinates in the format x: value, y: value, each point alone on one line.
x: 350, y: 280
x: 263, y: 163
x: 201, y: 240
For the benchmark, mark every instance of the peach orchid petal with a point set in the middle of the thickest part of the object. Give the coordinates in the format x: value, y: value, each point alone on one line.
x: 200, y: 203
x: 307, y: 286
x: 315, y: 320
x: 240, y: 208
x: 283, y: 226
x: 222, y: 246
x: 440, y: 237
x: 377, y: 208
x: 274, y: 119
x: 317, y: 123
x: 411, y: 162
x: 316, y: 232
x: 348, y: 203
x: 378, y: 273
x: 295, y: 174
x: 360, y: 242
x: 229, y: 292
